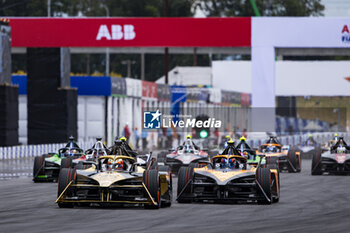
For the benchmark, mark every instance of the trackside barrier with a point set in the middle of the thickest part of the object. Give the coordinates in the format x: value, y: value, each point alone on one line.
x: 26, y: 151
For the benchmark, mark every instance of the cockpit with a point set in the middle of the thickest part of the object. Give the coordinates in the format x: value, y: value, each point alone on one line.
x: 188, y: 147
x: 115, y: 163
x: 270, y: 148
x: 340, y: 147
x: 228, y: 162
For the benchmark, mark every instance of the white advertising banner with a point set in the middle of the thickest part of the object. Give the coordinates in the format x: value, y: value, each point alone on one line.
x: 301, y: 32
x: 269, y: 33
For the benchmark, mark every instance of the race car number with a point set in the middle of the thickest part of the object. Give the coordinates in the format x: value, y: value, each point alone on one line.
x: 340, y: 158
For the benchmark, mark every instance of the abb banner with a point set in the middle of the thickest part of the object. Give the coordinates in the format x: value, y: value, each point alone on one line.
x: 133, y: 32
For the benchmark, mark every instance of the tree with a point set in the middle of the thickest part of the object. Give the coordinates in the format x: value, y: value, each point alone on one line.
x: 265, y: 7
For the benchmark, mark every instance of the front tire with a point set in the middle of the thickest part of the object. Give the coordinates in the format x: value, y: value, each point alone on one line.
x: 293, y: 161
x: 66, y: 163
x: 38, y: 167
x: 185, y: 175
x: 151, y: 181
x: 263, y: 177
x: 66, y: 176
x: 316, y: 164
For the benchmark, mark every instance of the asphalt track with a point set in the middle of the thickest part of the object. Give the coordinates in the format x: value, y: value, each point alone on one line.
x: 308, y: 204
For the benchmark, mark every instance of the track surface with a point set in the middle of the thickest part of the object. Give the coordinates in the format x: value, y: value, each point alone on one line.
x: 308, y: 204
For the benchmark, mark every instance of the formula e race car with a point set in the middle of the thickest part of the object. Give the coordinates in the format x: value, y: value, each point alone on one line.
x: 285, y: 157
x: 308, y: 148
x: 188, y: 154
x: 47, y: 167
x: 336, y: 161
x: 228, y: 179
x: 115, y: 180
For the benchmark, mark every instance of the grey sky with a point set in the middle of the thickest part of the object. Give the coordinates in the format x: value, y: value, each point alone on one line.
x: 336, y: 8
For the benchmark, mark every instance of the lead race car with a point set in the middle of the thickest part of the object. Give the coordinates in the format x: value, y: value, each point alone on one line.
x: 116, y: 180
x: 188, y: 154
x: 285, y: 157
x: 47, y: 167
x: 229, y: 179
x: 336, y: 161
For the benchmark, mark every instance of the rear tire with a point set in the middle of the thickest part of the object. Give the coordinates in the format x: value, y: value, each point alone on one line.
x: 263, y: 177
x: 82, y: 166
x: 194, y: 165
x: 272, y: 162
x: 293, y: 160
x: 151, y: 181
x: 38, y: 166
x: 66, y: 163
x: 316, y: 165
x: 184, y: 176
x: 66, y: 176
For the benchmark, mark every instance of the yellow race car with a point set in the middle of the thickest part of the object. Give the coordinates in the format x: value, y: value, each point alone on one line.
x: 229, y: 179
x: 116, y: 180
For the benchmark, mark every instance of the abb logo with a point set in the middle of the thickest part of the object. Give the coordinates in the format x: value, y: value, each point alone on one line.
x: 117, y: 32
x: 345, y: 34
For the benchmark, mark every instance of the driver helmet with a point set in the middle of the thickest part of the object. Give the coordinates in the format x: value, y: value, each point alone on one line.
x: 335, y: 137
x: 107, y: 165
x: 188, y: 149
x: 223, y: 163
x: 119, y: 164
x: 232, y: 162
x: 271, y: 149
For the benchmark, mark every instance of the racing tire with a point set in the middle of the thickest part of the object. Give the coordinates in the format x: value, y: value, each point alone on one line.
x: 198, y: 164
x: 167, y: 202
x: 185, y: 175
x: 82, y: 166
x: 272, y: 162
x: 66, y: 163
x: 66, y: 176
x: 298, y: 166
x: 293, y: 161
x: 194, y: 165
x: 38, y: 166
x: 151, y: 181
x: 276, y: 189
x: 263, y: 177
x: 152, y: 164
x: 272, y: 166
x: 316, y: 164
